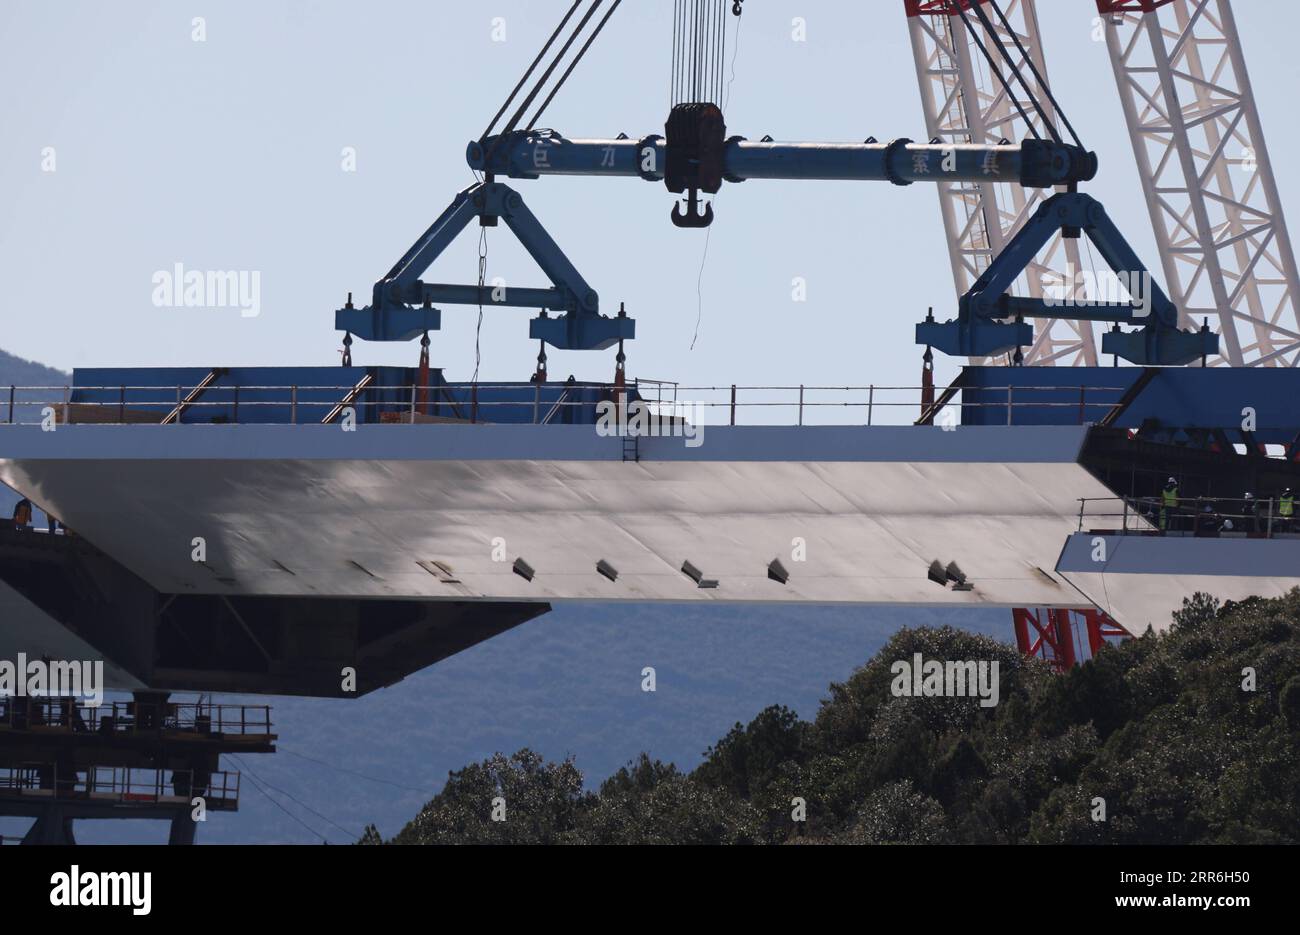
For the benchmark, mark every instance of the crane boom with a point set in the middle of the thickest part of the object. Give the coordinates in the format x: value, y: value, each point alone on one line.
x: 1206, y: 174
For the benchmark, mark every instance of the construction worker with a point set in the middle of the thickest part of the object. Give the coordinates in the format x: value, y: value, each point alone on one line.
x: 1168, y: 503
x: 1286, y: 508
x: 1250, y: 513
x: 23, y: 514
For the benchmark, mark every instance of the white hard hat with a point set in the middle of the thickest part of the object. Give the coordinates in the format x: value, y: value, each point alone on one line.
x: 1172, y: 480
x: 1249, y: 495
x: 1227, y: 524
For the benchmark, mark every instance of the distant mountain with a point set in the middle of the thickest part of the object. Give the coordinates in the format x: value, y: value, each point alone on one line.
x: 14, y: 371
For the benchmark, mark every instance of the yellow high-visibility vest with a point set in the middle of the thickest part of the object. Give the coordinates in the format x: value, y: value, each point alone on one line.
x: 1286, y: 506
x: 1170, y: 497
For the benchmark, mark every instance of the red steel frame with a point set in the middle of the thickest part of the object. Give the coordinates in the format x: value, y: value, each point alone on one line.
x: 942, y: 7
x: 1050, y: 633
x: 1130, y: 6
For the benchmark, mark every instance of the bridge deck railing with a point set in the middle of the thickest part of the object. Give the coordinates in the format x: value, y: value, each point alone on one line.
x: 1223, y: 517
x: 868, y: 404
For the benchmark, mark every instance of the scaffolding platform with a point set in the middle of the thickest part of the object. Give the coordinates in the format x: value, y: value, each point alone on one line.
x: 150, y: 758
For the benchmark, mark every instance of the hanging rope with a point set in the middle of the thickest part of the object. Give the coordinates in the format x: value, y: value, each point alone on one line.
x: 482, y: 277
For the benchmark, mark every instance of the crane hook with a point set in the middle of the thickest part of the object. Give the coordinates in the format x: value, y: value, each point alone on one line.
x: 692, y: 216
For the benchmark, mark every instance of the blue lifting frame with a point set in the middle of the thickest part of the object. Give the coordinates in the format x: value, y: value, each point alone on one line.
x: 989, y: 321
x: 981, y: 328
x: 402, y: 309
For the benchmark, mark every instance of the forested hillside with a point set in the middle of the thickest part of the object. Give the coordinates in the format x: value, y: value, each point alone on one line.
x: 1188, y: 737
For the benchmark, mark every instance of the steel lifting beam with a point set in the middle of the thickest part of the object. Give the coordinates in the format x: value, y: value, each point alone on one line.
x: 402, y: 309
x: 990, y: 321
x: 402, y: 305
x: 1032, y: 163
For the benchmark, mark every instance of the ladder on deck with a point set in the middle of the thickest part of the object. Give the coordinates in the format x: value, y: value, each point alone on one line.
x: 181, y: 405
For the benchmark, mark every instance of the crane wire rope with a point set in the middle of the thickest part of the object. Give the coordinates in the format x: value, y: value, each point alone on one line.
x: 353, y: 772
x: 531, y: 68
x: 258, y: 779
x: 574, y: 64
x: 1038, y: 77
x: 550, y: 69
x: 699, y: 51
x: 1007, y: 58
x: 280, y: 805
x: 993, y: 68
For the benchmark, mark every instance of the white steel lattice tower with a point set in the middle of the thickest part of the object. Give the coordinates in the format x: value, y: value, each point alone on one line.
x: 1206, y: 174
x: 965, y: 103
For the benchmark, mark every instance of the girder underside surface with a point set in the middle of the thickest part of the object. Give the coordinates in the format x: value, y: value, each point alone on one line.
x: 855, y: 514
x: 1141, y: 580
x: 442, y: 512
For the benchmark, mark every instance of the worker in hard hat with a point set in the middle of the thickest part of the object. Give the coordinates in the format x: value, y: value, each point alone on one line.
x: 23, y: 514
x: 1168, y: 503
x: 1249, y: 513
x: 1206, y: 522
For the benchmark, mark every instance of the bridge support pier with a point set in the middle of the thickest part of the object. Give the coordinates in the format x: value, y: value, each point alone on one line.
x: 1053, y: 634
x: 52, y: 826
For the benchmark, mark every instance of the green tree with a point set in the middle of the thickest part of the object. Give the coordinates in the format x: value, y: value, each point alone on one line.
x: 1192, y: 736
x: 520, y: 799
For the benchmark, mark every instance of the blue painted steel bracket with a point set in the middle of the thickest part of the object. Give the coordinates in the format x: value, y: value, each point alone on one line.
x: 982, y: 330
x: 402, y: 309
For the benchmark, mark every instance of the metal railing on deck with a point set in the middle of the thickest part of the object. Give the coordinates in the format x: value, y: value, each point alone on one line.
x: 134, y: 717
x: 790, y: 404
x: 121, y: 784
x: 1231, y: 517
